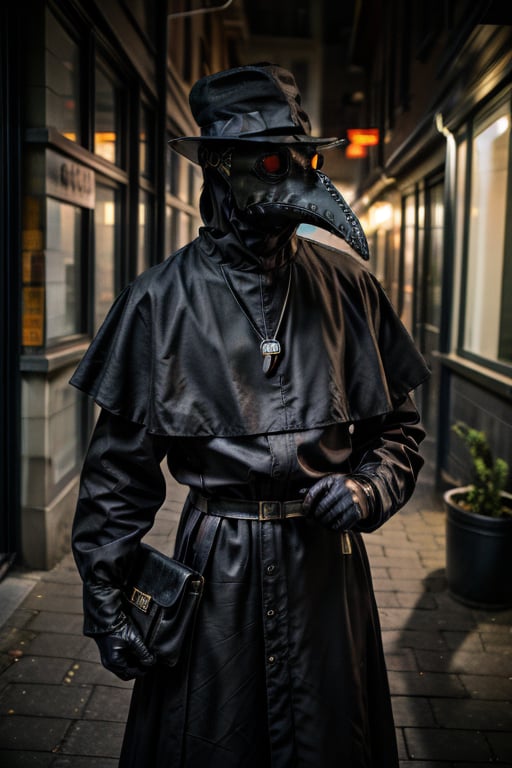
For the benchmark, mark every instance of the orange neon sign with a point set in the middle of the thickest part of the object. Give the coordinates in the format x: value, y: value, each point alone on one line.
x: 360, y: 139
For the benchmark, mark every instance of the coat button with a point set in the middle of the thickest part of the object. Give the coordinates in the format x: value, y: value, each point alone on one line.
x: 270, y: 612
x: 271, y: 568
x: 271, y: 659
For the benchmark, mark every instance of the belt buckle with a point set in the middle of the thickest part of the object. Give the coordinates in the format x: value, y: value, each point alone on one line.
x: 270, y: 510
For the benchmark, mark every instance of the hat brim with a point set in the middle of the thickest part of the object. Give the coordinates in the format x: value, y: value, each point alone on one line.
x: 188, y: 146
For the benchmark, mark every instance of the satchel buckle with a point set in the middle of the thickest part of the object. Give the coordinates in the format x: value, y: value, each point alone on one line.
x: 140, y: 600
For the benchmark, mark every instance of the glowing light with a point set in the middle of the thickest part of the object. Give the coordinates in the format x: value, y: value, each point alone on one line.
x: 364, y: 137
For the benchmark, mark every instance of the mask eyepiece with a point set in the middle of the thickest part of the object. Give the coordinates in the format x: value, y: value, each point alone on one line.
x: 273, y: 166
x: 317, y: 161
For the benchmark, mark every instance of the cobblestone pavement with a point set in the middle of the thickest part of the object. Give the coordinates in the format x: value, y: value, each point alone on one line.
x: 450, y: 667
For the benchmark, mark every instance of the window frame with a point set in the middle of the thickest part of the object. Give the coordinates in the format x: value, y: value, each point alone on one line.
x: 467, y: 135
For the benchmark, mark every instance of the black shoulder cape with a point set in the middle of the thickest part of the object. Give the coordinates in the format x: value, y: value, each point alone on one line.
x: 172, y: 353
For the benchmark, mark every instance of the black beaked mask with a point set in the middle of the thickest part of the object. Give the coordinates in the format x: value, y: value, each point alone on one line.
x: 273, y: 185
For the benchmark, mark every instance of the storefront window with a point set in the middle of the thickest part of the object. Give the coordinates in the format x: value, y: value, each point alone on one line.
x: 488, y: 316
x: 146, y: 143
x: 107, y: 117
x: 63, y: 80
x: 145, y: 231
x: 409, y: 239
x: 62, y: 270
x: 105, y: 246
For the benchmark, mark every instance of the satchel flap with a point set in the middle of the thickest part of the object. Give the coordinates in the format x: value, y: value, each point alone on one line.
x: 162, y: 578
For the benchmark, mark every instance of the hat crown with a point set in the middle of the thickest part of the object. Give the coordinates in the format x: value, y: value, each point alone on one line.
x: 248, y: 100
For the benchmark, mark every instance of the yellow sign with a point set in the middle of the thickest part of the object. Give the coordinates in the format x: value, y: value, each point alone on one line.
x: 33, y: 316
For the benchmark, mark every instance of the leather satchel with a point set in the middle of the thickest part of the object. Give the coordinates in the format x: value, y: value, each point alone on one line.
x: 162, y: 602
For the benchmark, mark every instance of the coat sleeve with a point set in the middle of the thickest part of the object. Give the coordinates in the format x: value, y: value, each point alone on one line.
x: 121, y: 488
x: 387, y: 456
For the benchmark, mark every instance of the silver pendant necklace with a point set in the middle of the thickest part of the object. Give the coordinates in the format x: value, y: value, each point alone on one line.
x: 270, y: 347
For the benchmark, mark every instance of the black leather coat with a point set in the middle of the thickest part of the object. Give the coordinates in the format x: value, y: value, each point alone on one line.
x: 286, y: 667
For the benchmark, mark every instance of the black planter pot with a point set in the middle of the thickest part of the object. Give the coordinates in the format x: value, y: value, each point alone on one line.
x: 478, y: 555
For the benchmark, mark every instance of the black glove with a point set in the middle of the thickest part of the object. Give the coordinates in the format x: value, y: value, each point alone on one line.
x: 123, y: 652
x: 121, y: 647
x: 340, y: 501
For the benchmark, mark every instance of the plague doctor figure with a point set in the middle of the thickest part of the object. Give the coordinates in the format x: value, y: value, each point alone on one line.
x: 274, y: 377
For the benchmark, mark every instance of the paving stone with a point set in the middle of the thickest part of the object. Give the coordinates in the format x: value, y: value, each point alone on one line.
x: 55, y: 644
x: 37, y: 669
x: 380, y: 576
x: 405, y: 555
x: 32, y: 733
x: 501, y: 745
x: 454, y: 640
x: 446, y: 744
x: 400, y: 743
x: 425, y: 684
x: 410, y: 619
x: 89, y: 651
x: 422, y: 541
x: 40, y: 699
x: 444, y: 764
x: 59, y: 589
x: 21, y: 617
x: 496, y: 642
x: 419, y: 586
x: 94, y: 738
x: 378, y: 561
x: 13, y: 637
x: 486, y: 687
x: 474, y: 715
x: 494, y: 623
x: 84, y: 762
x: 40, y: 601
x: 408, y: 638
x: 49, y: 621
x: 464, y: 662
x: 107, y: 703
x: 387, y: 600
x: 90, y: 673
x: 403, y: 660
x: 408, y: 711
x: 433, y: 561
x: 426, y: 601
x: 14, y: 759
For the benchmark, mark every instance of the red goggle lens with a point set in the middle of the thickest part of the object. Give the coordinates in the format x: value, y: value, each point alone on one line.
x: 272, y: 163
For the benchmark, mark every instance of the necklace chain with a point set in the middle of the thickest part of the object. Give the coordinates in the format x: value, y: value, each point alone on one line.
x: 270, y: 347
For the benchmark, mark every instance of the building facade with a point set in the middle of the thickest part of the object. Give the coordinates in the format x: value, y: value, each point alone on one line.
x: 92, y: 195
x: 435, y: 195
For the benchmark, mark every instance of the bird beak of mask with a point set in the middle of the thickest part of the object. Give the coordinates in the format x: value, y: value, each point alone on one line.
x: 284, y: 183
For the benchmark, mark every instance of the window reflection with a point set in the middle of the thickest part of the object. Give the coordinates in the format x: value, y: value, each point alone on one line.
x: 106, y: 118
x: 487, y: 318
x: 145, y: 229
x: 63, y: 80
x: 105, y: 219
x: 62, y: 270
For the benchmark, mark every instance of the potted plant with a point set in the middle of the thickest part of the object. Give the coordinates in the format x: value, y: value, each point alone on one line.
x: 479, y: 528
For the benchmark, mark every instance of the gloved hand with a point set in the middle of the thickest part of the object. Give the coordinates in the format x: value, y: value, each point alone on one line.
x: 123, y: 652
x: 339, y: 501
x: 121, y: 647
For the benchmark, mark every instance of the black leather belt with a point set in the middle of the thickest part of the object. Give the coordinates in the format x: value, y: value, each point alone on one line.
x: 249, y: 510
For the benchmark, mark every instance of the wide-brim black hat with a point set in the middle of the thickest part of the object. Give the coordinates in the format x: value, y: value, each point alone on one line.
x: 257, y: 102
